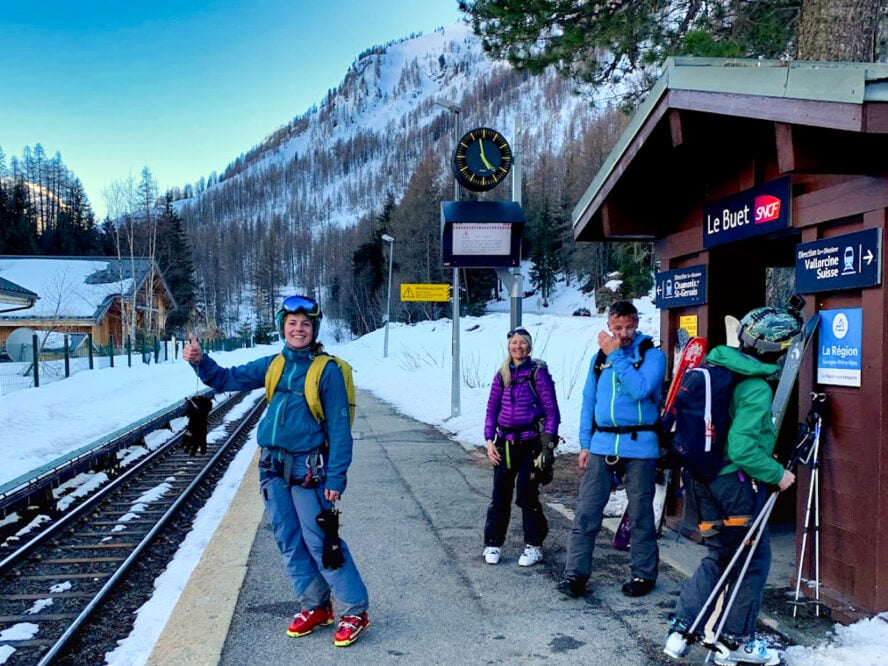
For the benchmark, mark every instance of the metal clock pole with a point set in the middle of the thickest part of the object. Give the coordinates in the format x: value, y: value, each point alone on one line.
x: 454, y: 383
x: 454, y: 386
x: 518, y: 285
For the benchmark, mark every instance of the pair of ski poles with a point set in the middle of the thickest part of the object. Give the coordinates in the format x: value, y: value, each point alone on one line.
x: 801, y: 453
x: 815, y: 421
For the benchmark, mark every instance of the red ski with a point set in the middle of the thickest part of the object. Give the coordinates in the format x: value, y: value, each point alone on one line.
x: 692, y: 355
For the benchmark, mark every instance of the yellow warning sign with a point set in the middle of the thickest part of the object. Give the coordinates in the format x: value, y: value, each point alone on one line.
x: 688, y: 323
x: 425, y: 292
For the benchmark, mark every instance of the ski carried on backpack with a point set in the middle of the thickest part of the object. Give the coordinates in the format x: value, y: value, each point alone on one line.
x: 692, y: 354
x: 791, y: 366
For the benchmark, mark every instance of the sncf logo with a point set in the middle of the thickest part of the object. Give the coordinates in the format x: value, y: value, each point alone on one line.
x: 767, y: 208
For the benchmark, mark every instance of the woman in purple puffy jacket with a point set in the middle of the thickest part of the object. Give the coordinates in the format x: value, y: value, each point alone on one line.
x: 521, y: 430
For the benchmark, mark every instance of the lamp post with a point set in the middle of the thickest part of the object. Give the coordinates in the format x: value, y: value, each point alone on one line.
x: 388, y: 303
x: 453, y: 107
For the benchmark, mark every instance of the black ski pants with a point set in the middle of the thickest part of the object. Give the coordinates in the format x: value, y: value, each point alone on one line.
x: 513, y: 474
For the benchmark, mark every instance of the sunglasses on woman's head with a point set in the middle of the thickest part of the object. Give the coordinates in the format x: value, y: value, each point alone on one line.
x: 516, y: 331
x: 297, y: 303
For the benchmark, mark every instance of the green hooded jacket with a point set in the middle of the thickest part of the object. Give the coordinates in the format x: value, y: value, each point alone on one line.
x: 751, y: 438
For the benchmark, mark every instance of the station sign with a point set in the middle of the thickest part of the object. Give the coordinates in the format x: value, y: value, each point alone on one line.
x: 839, y: 351
x: 753, y: 212
x: 841, y: 262
x: 425, y: 292
x: 681, y: 287
x: 481, y: 234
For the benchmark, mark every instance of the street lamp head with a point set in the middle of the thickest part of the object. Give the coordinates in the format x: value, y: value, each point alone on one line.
x: 387, y: 238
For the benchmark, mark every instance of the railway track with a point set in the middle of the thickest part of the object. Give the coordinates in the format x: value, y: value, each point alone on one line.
x: 71, y: 588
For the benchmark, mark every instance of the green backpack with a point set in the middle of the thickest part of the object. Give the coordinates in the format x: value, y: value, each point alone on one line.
x: 313, y: 382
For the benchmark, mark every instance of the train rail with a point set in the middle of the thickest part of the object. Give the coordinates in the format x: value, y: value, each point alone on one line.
x: 55, y: 583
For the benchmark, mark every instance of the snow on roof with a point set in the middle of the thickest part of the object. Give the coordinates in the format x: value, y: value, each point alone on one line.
x: 71, y: 288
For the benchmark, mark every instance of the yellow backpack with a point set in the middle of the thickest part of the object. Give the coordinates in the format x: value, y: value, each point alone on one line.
x: 313, y: 382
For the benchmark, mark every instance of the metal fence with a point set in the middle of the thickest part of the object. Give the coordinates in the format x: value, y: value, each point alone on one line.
x: 60, y: 355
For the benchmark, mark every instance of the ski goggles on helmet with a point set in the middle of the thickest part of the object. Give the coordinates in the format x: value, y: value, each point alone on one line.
x: 298, y: 303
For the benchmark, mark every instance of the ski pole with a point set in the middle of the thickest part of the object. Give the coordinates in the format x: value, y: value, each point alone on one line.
x: 766, y: 512
x: 800, y: 452
x: 722, y: 582
x: 816, y: 419
x: 816, y: 474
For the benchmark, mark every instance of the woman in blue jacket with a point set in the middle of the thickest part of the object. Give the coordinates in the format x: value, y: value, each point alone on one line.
x: 300, y: 474
x: 617, y: 434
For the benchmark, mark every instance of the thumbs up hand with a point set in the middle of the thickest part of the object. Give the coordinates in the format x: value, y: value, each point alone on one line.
x: 192, y: 352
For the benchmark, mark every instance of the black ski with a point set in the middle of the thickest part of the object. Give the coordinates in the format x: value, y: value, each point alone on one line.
x: 790, y: 372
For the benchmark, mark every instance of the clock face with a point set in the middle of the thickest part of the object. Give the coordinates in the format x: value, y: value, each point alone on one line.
x: 482, y: 159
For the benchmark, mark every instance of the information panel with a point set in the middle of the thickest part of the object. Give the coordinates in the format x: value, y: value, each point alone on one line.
x: 841, y: 262
x: 482, y: 239
x: 839, y: 347
x: 481, y: 234
x: 681, y: 287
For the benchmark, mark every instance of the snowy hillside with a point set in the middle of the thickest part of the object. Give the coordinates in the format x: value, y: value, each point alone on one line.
x: 337, y: 162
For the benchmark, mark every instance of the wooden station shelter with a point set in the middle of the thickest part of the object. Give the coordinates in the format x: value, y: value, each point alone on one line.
x: 744, y: 171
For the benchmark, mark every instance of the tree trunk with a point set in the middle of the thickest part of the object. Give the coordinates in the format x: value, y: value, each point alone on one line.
x: 839, y: 30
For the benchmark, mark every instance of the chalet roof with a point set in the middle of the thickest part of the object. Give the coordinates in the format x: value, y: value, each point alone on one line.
x: 72, y: 287
x: 13, y: 294
x: 840, y: 97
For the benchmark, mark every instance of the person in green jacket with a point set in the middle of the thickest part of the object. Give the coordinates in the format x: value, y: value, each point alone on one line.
x: 728, y: 503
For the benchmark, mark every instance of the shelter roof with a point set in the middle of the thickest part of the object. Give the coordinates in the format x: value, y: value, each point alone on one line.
x: 841, y: 97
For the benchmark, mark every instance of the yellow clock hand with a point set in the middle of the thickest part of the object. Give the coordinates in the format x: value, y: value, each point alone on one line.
x: 483, y: 158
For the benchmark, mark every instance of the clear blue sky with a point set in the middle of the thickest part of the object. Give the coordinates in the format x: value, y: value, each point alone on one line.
x: 180, y: 86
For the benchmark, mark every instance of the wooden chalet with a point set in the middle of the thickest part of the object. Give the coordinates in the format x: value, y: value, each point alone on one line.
x: 741, y: 171
x: 84, y: 295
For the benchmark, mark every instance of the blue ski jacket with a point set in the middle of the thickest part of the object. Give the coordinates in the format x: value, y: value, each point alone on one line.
x: 624, y: 396
x: 288, y: 424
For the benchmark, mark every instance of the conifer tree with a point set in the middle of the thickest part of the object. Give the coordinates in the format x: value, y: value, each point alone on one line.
x: 545, y: 246
x: 175, y: 262
x: 601, y: 41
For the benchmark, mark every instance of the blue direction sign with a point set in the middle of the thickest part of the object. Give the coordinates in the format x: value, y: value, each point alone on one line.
x: 681, y: 287
x: 842, y: 262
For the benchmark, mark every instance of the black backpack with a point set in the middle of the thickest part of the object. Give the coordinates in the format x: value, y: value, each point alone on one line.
x: 701, y: 414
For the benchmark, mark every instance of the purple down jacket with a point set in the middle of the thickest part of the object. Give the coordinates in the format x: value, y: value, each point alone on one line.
x: 515, y: 410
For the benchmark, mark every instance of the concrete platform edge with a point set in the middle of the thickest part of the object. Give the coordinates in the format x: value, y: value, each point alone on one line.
x: 196, y: 629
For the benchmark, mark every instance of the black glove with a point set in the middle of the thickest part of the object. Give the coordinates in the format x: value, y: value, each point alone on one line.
x: 669, y: 458
x: 332, y: 557
x: 197, y: 409
x: 548, y: 442
x: 542, y: 471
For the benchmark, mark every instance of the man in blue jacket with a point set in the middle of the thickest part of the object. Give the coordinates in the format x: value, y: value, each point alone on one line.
x: 302, y: 470
x: 617, y: 436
